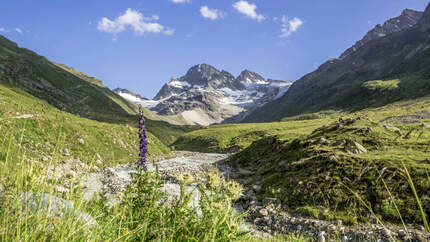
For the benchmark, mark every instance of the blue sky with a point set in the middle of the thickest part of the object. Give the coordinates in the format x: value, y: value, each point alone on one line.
x: 140, y: 45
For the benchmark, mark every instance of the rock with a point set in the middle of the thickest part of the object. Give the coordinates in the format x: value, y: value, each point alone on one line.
x: 321, y: 236
x: 398, y: 132
x: 270, y: 201
x: 263, y: 212
x: 393, y: 128
x: 354, y: 147
x: 402, y: 233
x: 66, y: 152
x: 323, y: 141
x: 55, y: 207
x: 81, y: 141
x: 333, y: 158
x: 420, y: 227
x: 257, y: 187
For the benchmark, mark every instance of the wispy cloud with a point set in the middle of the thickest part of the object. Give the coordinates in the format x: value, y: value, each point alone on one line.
x: 248, y: 9
x: 18, y: 30
x: 180, y: 1
x: 213, y: 14
x: 2, y: 30
x: 169, y: 32
x: 134, y: 20
x: 289, y: 26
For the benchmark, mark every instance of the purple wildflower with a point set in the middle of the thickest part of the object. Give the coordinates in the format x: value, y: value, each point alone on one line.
x: 143, y: 141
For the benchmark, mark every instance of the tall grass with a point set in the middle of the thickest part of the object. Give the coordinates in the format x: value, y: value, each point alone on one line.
x: 143, y: 213
x: 411, y: 184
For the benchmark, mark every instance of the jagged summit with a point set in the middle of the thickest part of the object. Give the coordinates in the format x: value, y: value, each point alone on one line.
x: 206, y: 95
x: 248, y: 76
x: 407, y: 19
x: 425, y: 19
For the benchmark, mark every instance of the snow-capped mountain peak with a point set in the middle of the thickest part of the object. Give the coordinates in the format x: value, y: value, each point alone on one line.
x: 217, y: 95
x: 206, y: 95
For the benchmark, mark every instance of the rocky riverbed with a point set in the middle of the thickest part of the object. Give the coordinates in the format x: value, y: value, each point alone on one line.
x: 265, y: 217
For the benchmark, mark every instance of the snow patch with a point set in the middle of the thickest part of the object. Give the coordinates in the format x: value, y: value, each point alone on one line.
x: 179, y: 84
x: 197, y: 116
x: 130, y: 97
x: 148, y: 103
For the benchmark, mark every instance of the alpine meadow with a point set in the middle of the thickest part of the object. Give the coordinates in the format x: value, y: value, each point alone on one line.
x: 215, y: 121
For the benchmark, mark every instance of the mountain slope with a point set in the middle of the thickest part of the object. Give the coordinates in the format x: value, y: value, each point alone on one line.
x: 383, y: 70
x: 407, y: 19
x: 61, y: 86
x: 206, y: 95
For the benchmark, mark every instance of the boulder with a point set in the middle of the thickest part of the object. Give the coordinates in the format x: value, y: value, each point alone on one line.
x: 54, y: 206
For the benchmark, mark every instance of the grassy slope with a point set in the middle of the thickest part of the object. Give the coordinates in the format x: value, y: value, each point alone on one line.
x: 66, y: 90
x: 51, y: 129
x: 311, y: 174
x: 234, y: 137
x: 308, y: 174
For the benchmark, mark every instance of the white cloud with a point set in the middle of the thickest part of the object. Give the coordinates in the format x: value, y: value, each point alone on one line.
x: 169, y: 32
x: 211, y: 13
x: 2, y: 29
x: 289, y: 26
x: 134, y: 20
x: 153, y: 17
x: 180, y: 1
x: 18, y: 30
x: 248, y: 9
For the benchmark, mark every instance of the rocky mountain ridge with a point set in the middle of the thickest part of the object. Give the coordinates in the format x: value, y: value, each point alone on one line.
x: 383, y: 70
x: 407, y: 19
x: 206, y: 95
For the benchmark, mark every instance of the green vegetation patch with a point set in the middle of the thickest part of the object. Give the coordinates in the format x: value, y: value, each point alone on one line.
x: 379, y: 85
x: 235, y: 137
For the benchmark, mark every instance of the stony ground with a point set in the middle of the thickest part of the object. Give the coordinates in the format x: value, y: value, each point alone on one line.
x: 265, y: 217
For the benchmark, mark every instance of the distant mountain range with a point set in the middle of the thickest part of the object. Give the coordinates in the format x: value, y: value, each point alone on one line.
x: 391, y: 63
x: 206, y: 95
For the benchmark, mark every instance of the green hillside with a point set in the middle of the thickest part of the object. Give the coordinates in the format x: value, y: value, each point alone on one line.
x: 62, y: 87
x: 384, y: 70
x: 44, y: 129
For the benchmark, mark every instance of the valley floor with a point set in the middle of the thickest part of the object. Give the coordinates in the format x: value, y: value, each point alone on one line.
x: 264, y: 217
